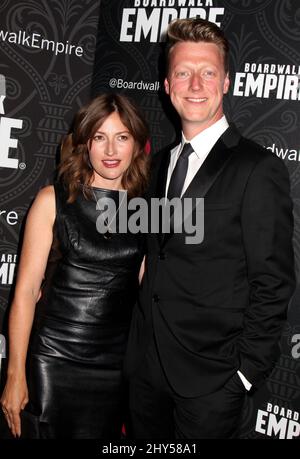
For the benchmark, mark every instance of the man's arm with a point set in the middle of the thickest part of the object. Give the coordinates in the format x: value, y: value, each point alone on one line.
x: 267, y: 225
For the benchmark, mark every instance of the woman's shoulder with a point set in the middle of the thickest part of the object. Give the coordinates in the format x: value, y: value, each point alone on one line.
x: 46, y: 195
x: 52, y: 193
x: 44, y: 203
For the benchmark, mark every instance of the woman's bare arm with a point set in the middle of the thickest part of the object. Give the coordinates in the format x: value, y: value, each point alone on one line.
x: 35, y: 251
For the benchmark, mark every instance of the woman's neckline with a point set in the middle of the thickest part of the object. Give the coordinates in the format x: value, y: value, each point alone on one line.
x: 101, y: 189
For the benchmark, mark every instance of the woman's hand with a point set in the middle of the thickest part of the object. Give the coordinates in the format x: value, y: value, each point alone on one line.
x: 13, y: 400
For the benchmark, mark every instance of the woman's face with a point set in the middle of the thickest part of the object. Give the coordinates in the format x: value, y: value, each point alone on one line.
x: 110, y: 151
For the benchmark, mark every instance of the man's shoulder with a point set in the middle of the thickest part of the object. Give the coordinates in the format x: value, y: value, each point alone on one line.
x: 159, y: 160
x: 250, y: 151
x: 160, y: 156
x: 161, y: 153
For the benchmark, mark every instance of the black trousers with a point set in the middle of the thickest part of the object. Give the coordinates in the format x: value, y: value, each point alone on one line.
x: 157, y: 412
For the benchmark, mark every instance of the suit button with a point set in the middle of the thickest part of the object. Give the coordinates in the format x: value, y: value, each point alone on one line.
x: 155, y: 298
x: 162, y: 256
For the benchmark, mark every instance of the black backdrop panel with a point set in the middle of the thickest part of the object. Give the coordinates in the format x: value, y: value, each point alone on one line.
x: 47, y: 54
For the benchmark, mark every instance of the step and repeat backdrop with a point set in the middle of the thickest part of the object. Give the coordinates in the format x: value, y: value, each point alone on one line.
x: 47, y: 51
x: 55, y: 55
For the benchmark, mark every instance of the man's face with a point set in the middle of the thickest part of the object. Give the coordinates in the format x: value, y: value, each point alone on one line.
x: 196, y: 83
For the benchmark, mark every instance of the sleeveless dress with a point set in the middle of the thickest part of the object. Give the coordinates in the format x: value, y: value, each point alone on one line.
x: 81, y: 324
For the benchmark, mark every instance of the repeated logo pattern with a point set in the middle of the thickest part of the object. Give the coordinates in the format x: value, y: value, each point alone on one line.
x: 45, y: 84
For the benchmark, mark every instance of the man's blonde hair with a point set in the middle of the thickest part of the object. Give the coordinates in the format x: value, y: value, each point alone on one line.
x: 197, y: 30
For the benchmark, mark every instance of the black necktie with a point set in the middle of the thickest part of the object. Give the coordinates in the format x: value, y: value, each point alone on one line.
x: 179, y: 172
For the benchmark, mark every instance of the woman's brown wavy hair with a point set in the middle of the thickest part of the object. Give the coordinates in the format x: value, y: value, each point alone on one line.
x: 75, y: 168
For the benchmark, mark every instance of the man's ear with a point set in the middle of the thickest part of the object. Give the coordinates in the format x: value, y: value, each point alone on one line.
x: 226, y: 84
x: 167, y: 86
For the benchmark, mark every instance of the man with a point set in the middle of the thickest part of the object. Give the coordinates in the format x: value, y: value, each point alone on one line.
x: 210, y: 315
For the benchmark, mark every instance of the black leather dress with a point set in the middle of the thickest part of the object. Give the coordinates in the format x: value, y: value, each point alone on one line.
x: 81, y: 325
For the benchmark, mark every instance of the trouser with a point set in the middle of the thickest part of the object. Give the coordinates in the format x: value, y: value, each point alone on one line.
x: 157, y: 412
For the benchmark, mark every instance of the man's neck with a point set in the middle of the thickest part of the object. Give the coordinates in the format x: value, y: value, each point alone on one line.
x: 190, y: 130
x: 189, y: 133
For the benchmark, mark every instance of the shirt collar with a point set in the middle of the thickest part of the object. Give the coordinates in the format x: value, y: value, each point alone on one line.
x: 203, y: 142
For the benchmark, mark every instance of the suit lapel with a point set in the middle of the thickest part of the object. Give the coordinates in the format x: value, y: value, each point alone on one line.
x: 162, y: 175
x: 213, y: 164
x: 210, y: 169
x: 160, y: 182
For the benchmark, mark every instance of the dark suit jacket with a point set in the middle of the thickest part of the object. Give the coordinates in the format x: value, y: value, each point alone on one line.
x: 219, y: 306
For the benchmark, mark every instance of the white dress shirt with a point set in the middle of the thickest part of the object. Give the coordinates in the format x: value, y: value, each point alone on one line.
x: 202, y: 144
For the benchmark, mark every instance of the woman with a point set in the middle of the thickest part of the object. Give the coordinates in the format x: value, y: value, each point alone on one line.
x: 76, y: 334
